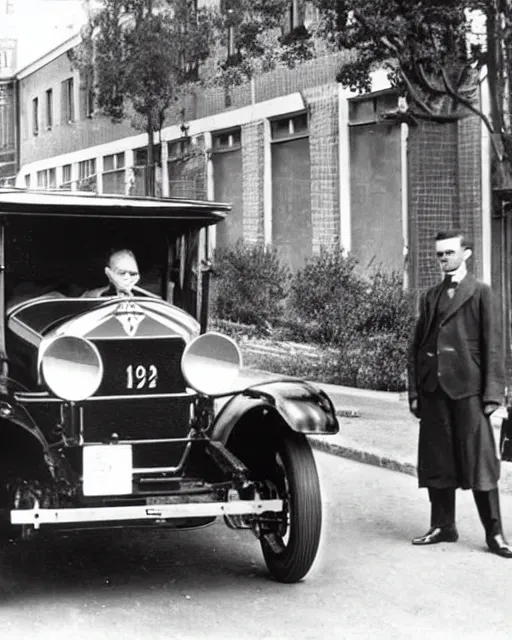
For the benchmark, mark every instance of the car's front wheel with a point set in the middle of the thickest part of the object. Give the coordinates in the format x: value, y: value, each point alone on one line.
x: 290, y: 540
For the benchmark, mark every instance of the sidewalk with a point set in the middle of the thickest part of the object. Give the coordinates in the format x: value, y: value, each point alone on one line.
x: 384, y: 433
x: 376, y: 428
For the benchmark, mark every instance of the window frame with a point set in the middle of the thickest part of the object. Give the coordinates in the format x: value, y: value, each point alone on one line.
x: 35, y: 116
x: 294, y: 133
x: 49, y: 109
x: 68, y: 101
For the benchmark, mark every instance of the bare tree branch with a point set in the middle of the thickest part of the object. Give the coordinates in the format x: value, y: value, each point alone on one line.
x: 464, y: 101
x: 429, y: 86
x: 421, y: 103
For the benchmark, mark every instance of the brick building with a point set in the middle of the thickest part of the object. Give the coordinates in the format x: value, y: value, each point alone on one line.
x: 304, y: 163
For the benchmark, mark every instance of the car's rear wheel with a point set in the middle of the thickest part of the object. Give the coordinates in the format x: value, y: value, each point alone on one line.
x: 290, y: 540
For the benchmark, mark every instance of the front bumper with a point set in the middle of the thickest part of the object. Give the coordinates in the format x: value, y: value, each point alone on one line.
x: 155, y: 512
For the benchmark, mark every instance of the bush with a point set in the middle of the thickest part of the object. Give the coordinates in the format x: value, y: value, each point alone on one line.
x: 379, y: 362
x: 326, y: 297
x: 367, y: 321
x: 388, y: 308
x: 249, y: 285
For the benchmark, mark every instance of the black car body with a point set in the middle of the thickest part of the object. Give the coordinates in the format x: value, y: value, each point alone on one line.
x: 109, y: 405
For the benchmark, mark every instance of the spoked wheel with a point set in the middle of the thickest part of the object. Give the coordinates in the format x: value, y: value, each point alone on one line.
x: 290, y: 540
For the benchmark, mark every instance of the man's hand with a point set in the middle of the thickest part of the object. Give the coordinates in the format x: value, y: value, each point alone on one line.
x: 122, y: 283
x: 495, y: 413
x: 490, y: 408
x: 414, y: 407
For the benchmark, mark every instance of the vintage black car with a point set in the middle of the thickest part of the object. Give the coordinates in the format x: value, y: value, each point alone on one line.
x: 123, y: 410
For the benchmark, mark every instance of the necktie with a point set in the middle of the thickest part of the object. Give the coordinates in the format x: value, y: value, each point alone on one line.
x: 450, y: 285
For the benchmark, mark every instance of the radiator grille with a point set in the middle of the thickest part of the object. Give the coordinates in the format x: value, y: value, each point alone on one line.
x: 135, y: 367
x: 132, y: 419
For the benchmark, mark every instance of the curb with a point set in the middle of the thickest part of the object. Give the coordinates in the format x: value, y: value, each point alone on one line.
x: 365, y: 457
x: 391, y: 464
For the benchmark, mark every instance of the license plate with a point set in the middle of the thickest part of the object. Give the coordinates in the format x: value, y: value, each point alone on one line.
x: 107, y: 470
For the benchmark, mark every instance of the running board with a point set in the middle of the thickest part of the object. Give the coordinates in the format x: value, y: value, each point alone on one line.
x: 36, y: 517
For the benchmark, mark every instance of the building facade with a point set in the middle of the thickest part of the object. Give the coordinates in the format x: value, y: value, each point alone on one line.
x: 304, y: 163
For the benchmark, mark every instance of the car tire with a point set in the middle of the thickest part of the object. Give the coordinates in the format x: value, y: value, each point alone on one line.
x: 290, y: 554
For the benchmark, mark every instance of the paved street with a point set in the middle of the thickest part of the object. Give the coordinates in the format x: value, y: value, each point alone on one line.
x: 368, y: 582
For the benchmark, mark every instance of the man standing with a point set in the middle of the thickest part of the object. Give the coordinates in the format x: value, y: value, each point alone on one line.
x: 456, y: 381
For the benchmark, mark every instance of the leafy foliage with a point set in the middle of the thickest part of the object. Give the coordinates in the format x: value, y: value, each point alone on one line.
x: 388, y: 308
x: 326, y: 296
x: 433, y: 52
x: 250, y: 284
x: 140, y: 54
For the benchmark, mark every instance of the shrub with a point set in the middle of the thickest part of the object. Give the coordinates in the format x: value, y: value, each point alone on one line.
x: 388, y: 308
x: 325, y: 298
x: 250, y: 284
x: 380, y: 362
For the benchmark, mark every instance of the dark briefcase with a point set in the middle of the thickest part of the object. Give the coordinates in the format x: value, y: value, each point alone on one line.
x: 506, y: 437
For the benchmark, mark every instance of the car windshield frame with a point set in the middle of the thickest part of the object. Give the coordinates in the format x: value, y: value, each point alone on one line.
x: 177, y: 217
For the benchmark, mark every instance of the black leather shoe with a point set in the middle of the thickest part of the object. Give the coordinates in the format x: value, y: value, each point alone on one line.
x: 437, y: 534
x: 498, y: 545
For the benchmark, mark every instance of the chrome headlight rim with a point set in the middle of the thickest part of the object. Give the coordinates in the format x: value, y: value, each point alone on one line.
x: 82, y: 389
x: 198, y: 359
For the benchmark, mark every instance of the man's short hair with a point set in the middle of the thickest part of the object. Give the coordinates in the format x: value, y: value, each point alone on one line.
x: 454, y: 233
x: 119, y: 252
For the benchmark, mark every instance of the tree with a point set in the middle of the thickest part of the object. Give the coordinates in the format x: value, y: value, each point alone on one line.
x: 433, y: 51
x: 141, y: 53
x: 258, y: 38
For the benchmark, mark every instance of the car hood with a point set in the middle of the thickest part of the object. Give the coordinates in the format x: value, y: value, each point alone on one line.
x: 131, y: 318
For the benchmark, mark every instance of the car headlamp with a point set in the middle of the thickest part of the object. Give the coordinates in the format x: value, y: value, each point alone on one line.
x: 211, y: 363
x: 72, y: 368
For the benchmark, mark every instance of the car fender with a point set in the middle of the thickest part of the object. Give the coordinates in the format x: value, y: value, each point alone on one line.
x: 304, y: 407
x: 16, y: 417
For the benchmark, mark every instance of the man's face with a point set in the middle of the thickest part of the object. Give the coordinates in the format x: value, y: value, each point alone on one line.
x: 451, y: 254
x: 123, y: 272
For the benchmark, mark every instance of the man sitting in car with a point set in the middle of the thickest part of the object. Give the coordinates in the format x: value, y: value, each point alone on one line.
x: 122, y: 272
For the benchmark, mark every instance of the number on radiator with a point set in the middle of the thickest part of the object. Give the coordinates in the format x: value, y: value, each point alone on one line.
x: 141, y: 377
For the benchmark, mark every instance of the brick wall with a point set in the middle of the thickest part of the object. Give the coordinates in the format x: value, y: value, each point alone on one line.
x: 432, y: 192
x: 252, y: 171
x: 444, y: 191
x: 64, y: 138
x: 323, y: 143
x: 470, y: 186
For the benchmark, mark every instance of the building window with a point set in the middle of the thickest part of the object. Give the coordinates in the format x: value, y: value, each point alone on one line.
x: 290, y: 127
x: 113, y: 162
x: 87, y: 175
x: 49, y: 109
x: 67, y: 101
x: 178, y: 148
x: 46, y: 179
x: 35, y: 116
x: 114, y: 173
x: 66, y: 177
x: 86, y: 169
x: 87, y: 96
x: 141, y: 156
x: 227, y: 140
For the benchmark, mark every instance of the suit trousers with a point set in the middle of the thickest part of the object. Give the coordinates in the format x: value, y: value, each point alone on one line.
x: 442, y: 512
x: 456, y: 445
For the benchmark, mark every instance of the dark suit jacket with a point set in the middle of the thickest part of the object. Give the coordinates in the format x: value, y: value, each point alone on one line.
x: 469, y: 359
